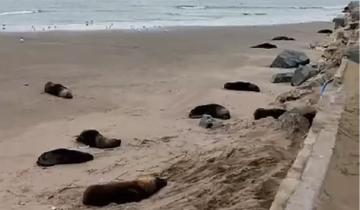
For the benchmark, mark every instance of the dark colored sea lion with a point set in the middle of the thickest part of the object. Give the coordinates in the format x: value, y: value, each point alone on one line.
x: 265, y: 46
x: 57, y: 90
x: 243, y: 86
x: 214, y: 110
x: 63, y: 156
x: 94, y: 138
x: 263, y: 113
x: 325, y: 31
x: 123, y: 192
x: 283, y: 38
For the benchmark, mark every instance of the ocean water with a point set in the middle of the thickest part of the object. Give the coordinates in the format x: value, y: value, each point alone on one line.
x: 44, y: 15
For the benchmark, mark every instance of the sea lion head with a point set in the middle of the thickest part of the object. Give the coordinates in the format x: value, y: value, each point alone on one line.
x: 223, y: 113
x: 103, y: 142
x: 254, y: 88
x: 151, y: 184
x: 66, y: 93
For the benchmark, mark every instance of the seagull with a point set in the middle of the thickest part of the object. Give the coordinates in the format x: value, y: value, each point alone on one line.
x: 21, y: 39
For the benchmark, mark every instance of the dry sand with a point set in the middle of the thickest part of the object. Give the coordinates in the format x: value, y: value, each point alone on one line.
x: 140, y: 87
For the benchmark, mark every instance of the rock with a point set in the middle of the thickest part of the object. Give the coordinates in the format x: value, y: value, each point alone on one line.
x: 290, y: 59
x: 352, y: 54
x: 292, y: 95
x: 282, y: 77
x: 309, y: 112
x: 265, y: 46
x: 303, y: 73
x: 214, y: 110
x: 241, y: 86
x: 294, y: 123
x: 263, y: 113
x: 352, y: 5
x: 325, y: 31
x: 354, y: 14
x: 339, y: 21
x: 207, y: 121
x: 352, y: 25
x: 283, y: 38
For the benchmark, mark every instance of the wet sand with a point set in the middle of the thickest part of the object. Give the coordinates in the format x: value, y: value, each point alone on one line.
x: 140, y: 86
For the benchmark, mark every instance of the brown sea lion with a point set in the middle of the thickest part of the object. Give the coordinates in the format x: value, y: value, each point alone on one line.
x: 63, y: 156
x: 214, y: 110
x: 263, y: 113
x: 325, y: 31
x: 123, y: 192
x: 94, y: 138
x: 265, y: 46
x: 241, y: 86
x: 58, y: 90
x: 283, y: 38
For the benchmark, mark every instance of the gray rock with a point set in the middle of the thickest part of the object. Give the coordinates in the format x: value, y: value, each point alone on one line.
x: 282, y: 77
x: 294, y: 123
x: 354, y: 14
x: 290, y: 59
x: 303, y: 73
x: 339, y: 21
x: 207, y: 121
x: 353, y: 54
x: 353, y: 4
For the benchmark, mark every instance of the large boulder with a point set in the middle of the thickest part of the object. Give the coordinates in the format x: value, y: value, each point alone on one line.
x: 290, y: 59
x: 352, y: 53
x: 282, y: 77
x: 353, y: 5
x: 354, y: 14
x: 303, y: 73
x: 339, y: 21
x: 294, y: 123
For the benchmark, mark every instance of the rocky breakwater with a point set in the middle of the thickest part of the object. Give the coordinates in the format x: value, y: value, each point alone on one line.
x: 311, y: 82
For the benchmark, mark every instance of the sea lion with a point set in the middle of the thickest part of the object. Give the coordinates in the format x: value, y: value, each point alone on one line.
x: 325, y: 31
x: 123, y: 192
x: 283, y: 38
x: 94, y: 138
x: 263, y: 113
x: 63, y: 156
x: 242, y: 86
x: 265, y: 46
x: 58, y: 90
x: 214, y: 110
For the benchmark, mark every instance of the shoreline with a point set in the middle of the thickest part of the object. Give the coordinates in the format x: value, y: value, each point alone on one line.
x: 157, y: 28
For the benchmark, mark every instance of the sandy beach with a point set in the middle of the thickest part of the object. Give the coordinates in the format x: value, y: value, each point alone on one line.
x: 140, y: 87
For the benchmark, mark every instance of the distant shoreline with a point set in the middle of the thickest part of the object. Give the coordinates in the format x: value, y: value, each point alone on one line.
x: 153, y: 29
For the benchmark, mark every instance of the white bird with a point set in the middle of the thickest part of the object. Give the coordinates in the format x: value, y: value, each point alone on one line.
x: 22, y: 40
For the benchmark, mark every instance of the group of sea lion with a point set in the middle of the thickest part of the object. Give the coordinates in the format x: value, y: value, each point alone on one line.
x: 101, y: 195
x: 219, y: 111
x: 91, y: 138
x: 98, y: 195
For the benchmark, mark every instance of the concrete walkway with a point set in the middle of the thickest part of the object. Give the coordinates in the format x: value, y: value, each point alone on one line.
x: 340, y: 190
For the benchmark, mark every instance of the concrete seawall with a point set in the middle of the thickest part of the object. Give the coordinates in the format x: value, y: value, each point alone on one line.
x: 301, y: 188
